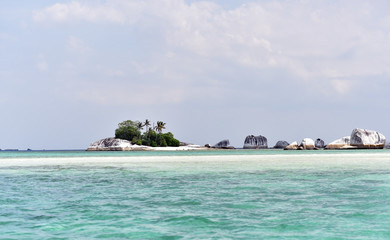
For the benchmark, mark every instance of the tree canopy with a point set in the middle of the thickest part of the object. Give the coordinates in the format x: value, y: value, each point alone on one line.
x: 131, y: 130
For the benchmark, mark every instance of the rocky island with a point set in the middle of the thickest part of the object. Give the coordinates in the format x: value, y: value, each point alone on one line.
x: 128, y: 137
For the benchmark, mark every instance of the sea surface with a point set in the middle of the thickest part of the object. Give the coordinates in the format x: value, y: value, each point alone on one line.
x: 232, y: 194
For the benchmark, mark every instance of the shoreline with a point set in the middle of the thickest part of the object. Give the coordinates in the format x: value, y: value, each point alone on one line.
x: 272, y: 159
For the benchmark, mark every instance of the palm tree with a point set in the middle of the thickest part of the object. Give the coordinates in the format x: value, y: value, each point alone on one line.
x: 139, y: 126
x: 160, y: 126
x: 146, y: 124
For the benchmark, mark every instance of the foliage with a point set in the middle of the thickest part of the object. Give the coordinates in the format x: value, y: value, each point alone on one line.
x: 127, y: 130
x: 170, y: 140
x: 131, y: 130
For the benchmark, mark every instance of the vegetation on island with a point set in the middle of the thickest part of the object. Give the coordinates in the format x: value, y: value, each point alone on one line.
x: 152, y: 136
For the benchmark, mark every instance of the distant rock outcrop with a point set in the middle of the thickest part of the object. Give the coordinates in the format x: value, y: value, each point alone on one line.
x: 255, y: 142
x: 292, y: 146
x: 114, y: 144
x: 281, y: 144
x: 319, y: 143
x: 307, y: 144
x: 367, y: 139
x: 342, y: 143
x: 223, y: 144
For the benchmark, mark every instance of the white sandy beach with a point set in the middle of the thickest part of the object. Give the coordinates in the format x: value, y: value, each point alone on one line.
x: 226, y: 162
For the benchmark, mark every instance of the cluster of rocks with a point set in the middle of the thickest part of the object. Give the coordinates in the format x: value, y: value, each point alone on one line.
x: 306, y: 144
x: 251, y: 142
x: 359, y: 139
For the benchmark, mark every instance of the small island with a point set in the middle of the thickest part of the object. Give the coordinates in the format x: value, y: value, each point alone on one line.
x: 129, y: 137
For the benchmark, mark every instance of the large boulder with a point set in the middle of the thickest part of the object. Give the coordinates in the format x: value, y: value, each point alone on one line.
x: 255, y: 142
x: 109, y: 144
x: 307, y: 144
x: 366, y: 139
x: 342, y: 143
x: 292, y: 146
x: 223, y: 144
x: 114, y: 144
x: 319, y: 143
x: 281, y: 144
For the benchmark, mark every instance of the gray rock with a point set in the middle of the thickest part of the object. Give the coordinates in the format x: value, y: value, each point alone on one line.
x: 342, y: 143
x: 292, y: 146
x: 114, y: 144
x: 319, y: 143
x: 367, y: 139
x: 223, y: 144
x: 281, y: 144
x: 255, y: 142
x: 307, y: 144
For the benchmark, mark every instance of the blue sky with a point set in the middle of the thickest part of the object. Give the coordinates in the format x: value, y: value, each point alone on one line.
x: 71, y: 70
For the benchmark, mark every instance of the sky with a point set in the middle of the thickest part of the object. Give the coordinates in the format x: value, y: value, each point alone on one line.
x: 70, y: 71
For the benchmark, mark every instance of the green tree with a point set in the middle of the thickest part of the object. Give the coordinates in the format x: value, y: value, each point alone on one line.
x: 127, y: 130
x: 170, y: 140
x: 131, y: 130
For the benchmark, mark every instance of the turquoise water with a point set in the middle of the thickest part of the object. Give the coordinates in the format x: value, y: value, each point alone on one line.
x: 191, y: 195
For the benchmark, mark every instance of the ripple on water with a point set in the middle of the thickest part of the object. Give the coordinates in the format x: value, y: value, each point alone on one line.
x: 175, y: 201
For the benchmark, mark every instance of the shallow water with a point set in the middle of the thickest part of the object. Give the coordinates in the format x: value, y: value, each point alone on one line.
x: 197, y: 196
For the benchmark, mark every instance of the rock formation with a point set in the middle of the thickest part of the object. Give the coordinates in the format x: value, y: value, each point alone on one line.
x: 114, y: 144
x: 319, y: 143
x: 307, y: 144
x: 281, y: 144
x: 342, y: 143
x: 292, y: 146
x: 255, y: 142
x: 366, y: 139
x: 223, y: 144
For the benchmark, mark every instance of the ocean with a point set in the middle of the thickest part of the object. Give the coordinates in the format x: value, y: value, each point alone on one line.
x: 230, y: 194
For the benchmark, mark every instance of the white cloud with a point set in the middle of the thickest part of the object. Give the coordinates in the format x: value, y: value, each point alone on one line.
x: 342, y: 86
x: 112, y: 11
x: 78, y: 45
x: 314, y: 41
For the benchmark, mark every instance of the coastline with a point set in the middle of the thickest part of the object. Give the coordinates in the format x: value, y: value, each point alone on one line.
x: 274, y: 160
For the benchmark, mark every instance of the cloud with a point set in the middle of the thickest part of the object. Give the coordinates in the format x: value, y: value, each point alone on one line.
x: 112, y: 11
x: 342, y: 86
x: 318, y: 43
x: 78, y: 45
